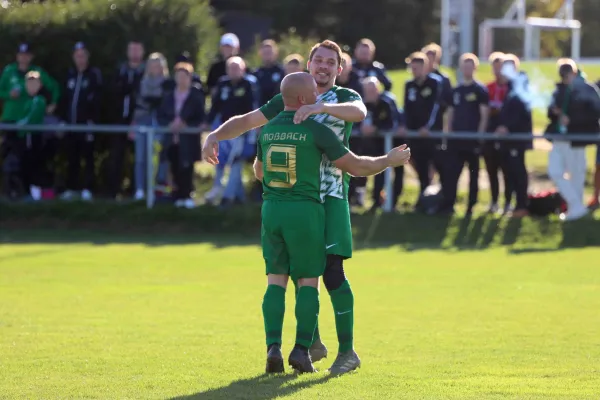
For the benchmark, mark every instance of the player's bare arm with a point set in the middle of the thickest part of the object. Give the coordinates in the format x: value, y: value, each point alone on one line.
x: 234, y: 127
x: 366, y: 166
x: 353, y: 111
x: 258, y: 169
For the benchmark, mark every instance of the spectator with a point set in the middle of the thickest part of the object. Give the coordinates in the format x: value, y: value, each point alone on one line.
x: 349, y: 78
x: 515, y: 117
x: 575, y: 109
x: 364, y: 63
x: 468, y: 113
x: 382, y: 116
x: 236, y: 94
x: 229, y: 47
x: 182, y: 108
x: 80, y: 104
x: 594, y: 203
x: 270, y: 73
x: 433, y: 51
x: 422, y: 97
x: 28, y: 145
x: 491, y: 150
x: 293, y: 63
x: 125, y: 88
x: 12, y: 86
x: 196, y: 80
x: 153, y: 87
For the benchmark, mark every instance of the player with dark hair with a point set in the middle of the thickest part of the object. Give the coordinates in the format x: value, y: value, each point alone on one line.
x: 294, y: 214
x: 337, y: 109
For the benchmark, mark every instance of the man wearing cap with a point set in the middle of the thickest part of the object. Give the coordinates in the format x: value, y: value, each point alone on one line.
x: 80, y: 104
x: 237, y: 93
x: 12, y: 85
x: 229, y: 47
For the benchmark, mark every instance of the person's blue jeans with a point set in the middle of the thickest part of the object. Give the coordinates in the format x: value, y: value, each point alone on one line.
x: 234, y: 190
x: 141, y: 157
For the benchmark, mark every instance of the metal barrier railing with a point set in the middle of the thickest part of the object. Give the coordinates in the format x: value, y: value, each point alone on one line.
x: 151, y: 131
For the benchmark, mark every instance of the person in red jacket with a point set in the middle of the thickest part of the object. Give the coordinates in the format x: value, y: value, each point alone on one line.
x: 497, y: 90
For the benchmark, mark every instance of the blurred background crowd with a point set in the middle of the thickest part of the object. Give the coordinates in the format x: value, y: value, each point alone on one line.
x: 149, y: 89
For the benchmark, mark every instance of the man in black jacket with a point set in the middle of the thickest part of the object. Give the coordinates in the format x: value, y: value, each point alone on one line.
x: 382, y: 116
x: 124, y: 90
x: 365, y: 66
x: 575, y: 109
x: 422, y: 104
x: 468, y: 113
x: 515, y: 117
x: 433, y: 51
x: 270, y: 73
x: 80, y: 104
x: 349, y: 78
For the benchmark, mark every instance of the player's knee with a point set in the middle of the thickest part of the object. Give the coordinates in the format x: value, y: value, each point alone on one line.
x: 276, y: 279
x: 334, y: 275
x: 312, y: 282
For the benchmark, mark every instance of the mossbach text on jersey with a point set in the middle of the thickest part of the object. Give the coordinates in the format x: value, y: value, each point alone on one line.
x: 269, y: 137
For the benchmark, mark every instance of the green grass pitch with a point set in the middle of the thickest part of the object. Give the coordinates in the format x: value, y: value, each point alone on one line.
x: 163, y: 319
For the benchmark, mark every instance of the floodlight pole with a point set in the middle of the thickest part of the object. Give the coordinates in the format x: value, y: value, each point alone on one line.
x: 466, y: 30
x: 446, y: 34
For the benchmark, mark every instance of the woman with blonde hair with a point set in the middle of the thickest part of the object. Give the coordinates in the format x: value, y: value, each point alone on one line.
x: 153, y: 86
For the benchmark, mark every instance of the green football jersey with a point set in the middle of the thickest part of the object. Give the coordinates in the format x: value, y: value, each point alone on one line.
x: 333, y: 181
x: 292, y: 155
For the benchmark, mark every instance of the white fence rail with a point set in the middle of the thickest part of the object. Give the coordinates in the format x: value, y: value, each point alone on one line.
x: 150, y: 131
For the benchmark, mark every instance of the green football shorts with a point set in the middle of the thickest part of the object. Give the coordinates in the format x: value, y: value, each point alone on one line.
x: 293, y: 238
x: 338, y: 229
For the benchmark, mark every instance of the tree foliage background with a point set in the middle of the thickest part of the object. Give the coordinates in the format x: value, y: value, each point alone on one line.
x: 398, y: 27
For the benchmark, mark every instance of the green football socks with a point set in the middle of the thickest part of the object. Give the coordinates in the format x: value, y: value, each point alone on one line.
x: 273, y: 307
x: 307, y: 313
x: 343, y: 308
x: 316, y: 335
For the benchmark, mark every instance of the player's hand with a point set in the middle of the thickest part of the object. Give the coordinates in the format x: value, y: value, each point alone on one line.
x: 423, y: 132
x: 50, y: 109
x: 564, y: 120
x: 210, y: 149
x: 306, y: 111
x: 15, y: 93
x: 401, y: 131
x: 399, y: 156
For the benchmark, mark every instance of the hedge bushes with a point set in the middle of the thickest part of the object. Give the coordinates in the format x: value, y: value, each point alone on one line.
x: 168, y: 26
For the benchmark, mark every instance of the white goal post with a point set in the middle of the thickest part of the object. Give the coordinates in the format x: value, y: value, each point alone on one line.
x: 515, y: 18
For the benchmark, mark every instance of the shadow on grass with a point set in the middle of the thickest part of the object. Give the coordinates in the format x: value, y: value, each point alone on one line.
x: 112, y: 223
x: 263, y: 387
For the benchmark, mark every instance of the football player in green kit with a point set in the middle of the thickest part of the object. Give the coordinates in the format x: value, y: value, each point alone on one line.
x: 337, y: 108
x: 293, y: 235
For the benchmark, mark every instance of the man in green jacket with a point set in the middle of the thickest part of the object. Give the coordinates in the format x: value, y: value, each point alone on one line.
x: 12, y: 86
